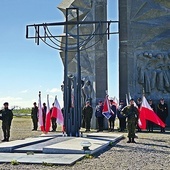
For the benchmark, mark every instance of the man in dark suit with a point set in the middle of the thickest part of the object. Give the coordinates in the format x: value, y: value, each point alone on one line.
x: 6, y: 118
x: 162, y: 111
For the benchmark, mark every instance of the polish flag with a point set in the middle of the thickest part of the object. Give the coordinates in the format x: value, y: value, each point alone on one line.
x: 40, y: 114
x: 116, y: 102
x: 48, y: 116
x: 57, y: 113
x: 147, y: 113
x: 106, y: 108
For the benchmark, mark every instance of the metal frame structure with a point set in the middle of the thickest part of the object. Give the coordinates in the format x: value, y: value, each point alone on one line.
x: 72, y: 116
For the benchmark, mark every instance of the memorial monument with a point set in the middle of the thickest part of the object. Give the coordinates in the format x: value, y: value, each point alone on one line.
x: 93, y: 48
x: 83, y: 50
x: 93, y: 53
x: 144, y: 37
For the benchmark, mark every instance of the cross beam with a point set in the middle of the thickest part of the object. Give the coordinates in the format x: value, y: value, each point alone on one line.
x: 72, y: 116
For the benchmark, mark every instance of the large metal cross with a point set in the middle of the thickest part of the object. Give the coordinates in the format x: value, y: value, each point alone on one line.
x: 72, y: 115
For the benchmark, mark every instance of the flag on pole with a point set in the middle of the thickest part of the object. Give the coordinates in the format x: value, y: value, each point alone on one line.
x: 57, y: 113
x: 147, y: 113
x: 48, y: 116
x: 106, y: 108
x: 116, y: 102
x: 40, y: 114
x: 127, y: 101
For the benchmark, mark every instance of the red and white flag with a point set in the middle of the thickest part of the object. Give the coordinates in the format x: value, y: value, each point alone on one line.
x: 48, y: 116
x: 57, y: 113
x: 147, y: 113
x: 106, y: 108
x: 40, y: 114
x: 116, y: 102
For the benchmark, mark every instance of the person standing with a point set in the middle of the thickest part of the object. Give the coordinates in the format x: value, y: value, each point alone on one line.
x: 99, y: 115
x: 162, y: 111
x: 87, y: 115
x: 122, y: 119
x: 53, y: 120
x: 113, y: 116
x: 34, y: 116
x: 44, y: 111
x: 149, y: 123
x: 131, y: 112
x: 6, y: 118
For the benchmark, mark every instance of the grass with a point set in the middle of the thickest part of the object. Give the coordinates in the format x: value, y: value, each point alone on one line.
x: 21, y: 128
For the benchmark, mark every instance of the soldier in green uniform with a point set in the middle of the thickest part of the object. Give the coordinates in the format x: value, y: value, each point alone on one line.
x: 34, y: 116
x: 6, y: 118
x: 131, y: 112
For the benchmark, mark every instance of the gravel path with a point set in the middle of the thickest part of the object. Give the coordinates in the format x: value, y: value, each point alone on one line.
x: 151, y: 152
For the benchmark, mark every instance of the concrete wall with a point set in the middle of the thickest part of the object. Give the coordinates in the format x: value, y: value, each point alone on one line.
x: 145, y: 49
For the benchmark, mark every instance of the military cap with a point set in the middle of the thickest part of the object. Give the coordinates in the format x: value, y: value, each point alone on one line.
x: 6, y: 103
x: 139, y: 99
x: 121, y: 101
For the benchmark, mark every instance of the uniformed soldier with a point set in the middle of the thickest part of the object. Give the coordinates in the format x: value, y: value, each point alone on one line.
x: 6, y: 118
x: 162, y: 111
x: 131, y: 112
x: 122, y: 119
x: 87, y: 115
x: 99, y: 115
x: 34, y: 116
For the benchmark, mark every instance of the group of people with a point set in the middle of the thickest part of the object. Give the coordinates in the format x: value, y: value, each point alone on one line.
x: 34, y: 116
x: 6, y: 115
x: 127, y: 115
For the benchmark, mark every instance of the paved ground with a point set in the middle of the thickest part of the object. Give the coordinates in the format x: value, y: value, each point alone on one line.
x: 152, y: 152
x: 54, y: 149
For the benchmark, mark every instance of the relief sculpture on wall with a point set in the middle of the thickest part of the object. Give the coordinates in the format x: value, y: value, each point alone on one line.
x: 154, y: 71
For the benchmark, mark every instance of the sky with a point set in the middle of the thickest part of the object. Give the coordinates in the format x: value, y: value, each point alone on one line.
x: 27, y: 68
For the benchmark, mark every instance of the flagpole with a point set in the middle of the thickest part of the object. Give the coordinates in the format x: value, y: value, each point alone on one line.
x: 143, y: 91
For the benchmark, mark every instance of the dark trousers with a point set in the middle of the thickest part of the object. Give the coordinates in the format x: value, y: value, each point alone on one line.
x: 163, y: 120
x: 35, y: 123
x: 112, y: 122
x: 122, y: 123
x: 150, y: 126
x: 6, y: 130
x: 54, y: 124
x: 100, y: 123
x: 87, y: 123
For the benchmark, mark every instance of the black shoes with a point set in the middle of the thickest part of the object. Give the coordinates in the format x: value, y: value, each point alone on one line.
x: 5, y: 140
x: 87, y: 130
x: 99, y: 130
x: 131, y: 141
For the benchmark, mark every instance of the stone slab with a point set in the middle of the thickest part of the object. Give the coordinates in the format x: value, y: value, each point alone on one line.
x: 10, y: 146
x: 73, y: 146
x: 38, y: 147
x: 56, y: 159
x: 106, y: 136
